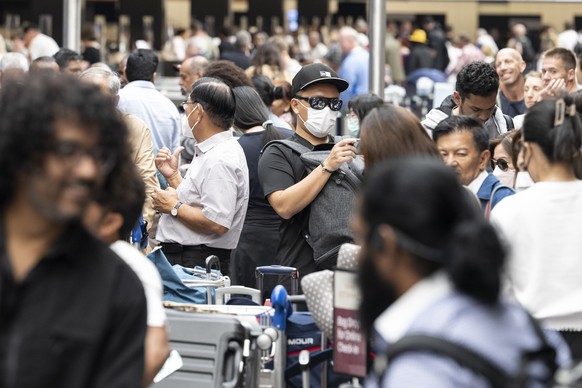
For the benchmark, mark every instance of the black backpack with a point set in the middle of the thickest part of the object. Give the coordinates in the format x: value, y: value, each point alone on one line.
x: 496, y: 376
x: 330, y: 211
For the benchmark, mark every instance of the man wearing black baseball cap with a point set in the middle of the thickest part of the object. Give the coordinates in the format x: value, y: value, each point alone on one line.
x: 287, y: 185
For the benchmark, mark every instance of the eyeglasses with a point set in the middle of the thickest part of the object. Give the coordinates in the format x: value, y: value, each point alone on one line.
x: 185, y: 104
x: 501, y: 163
x: 319, y: 103
x: 71, y: 153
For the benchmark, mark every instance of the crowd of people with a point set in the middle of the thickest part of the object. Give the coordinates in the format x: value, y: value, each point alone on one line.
x: 467, y: 217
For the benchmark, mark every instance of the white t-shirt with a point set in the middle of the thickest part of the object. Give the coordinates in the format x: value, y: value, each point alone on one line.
x: 42, y: 46
x: 150, y: 279
x: 543, y: 229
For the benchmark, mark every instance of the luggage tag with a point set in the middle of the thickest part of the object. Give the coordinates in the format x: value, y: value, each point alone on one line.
x: 172, y: 364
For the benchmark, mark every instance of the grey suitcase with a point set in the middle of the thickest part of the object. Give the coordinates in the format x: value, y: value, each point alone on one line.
x: 217, y: 350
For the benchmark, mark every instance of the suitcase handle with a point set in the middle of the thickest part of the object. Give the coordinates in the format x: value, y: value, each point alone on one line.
x: 236, y: 350
x: 275, y: 270
x: 237, y: 290
x: 211, y: 261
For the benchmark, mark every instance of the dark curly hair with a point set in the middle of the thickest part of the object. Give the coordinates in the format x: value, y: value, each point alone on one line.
x: 477, y: 78
x: 141, y: 65
x: 29, y: 111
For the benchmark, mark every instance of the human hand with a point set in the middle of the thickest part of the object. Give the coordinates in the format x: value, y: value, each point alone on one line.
x: 164, y: 200
x: 343, y: 152
x: 556, y: 87
x: 167, y: 163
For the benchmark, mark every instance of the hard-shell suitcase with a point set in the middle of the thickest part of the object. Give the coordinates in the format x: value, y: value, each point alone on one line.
x: 217, y: 350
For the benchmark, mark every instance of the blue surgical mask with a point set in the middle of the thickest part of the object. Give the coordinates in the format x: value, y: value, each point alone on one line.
x: 353, y: 126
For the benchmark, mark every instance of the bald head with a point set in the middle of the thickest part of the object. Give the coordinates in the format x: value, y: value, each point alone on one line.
x: 191, y: 70
x: 348, y: 39
x: 510, y: 66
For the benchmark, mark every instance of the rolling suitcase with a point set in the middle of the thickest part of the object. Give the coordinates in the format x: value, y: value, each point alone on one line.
x: 217, y: 351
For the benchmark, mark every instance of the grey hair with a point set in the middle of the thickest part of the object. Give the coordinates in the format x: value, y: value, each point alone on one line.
x: 13, y: 61
x: 112, y: 78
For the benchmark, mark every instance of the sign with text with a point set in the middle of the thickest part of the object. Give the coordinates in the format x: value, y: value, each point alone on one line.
x: 349, y: 351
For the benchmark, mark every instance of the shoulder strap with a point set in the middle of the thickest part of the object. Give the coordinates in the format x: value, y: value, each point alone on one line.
x: 292, y: 145
x: 460, y: 354
x: 509, y: 122
x: 493, y: 192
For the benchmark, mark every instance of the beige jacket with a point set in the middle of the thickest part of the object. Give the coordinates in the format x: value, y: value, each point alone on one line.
x: 143, y: 156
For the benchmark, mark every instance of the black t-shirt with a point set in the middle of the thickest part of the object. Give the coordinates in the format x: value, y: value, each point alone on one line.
x: 259, y: 210
x: 279, y: 169
x: 511, y: 108
x: 77, y: 320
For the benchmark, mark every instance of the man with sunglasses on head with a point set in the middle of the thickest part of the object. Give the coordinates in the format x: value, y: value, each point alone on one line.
x: 287, y: 185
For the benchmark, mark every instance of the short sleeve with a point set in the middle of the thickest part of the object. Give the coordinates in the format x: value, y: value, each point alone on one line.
x: 276, y: 171
x: 219, y: 192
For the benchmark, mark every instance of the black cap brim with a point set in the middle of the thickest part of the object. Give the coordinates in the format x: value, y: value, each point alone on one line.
x: 340, y: 83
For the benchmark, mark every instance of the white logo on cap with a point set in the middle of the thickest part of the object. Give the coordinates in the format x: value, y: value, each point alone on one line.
x: 324, y: 74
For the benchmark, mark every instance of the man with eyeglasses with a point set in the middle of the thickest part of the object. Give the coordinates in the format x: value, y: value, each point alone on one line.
x: 72, y: 313
x: 287, y: 186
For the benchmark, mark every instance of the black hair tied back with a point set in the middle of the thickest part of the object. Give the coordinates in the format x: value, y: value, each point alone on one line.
x: 476, y: 260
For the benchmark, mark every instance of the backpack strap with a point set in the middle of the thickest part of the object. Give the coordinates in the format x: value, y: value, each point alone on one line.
x: 298, y: 148
x: 509, y: 122
x: 493, y: 192
x: 458, y: 353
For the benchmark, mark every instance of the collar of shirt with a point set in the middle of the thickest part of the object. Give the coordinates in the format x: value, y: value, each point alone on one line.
x: 214, y: 140
x: 140, y: 84
x: 477, y: 182
x: 394, y: 322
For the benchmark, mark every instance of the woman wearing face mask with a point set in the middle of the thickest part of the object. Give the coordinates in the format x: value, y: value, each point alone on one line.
x: 542, y: 224
x: 532, y: 89
x: 359, y: 107
x: 502, y: 158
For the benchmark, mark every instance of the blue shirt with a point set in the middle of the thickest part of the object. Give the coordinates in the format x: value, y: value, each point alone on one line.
x: 142, y: 99
x: 500, y: 333
x: 355, y: 70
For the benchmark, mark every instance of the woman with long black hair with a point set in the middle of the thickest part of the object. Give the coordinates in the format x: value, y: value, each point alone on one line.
x: 542, y: 224
x: 259, y: 238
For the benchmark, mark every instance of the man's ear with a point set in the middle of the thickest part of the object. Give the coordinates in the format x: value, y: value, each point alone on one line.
x: 294, y: 105
x: 457, y: 98
x: 484, y: 159
x: 154, y: 76
x: 110, y: 225
x: 384, y: 251
x: 522, y: 66
x: 570, y: 75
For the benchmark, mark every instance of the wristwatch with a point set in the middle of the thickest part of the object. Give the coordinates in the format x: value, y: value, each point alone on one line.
x: 174, y: 211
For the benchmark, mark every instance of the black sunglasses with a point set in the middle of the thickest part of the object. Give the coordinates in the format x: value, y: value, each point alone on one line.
x: 320, y: 103
x: 501, y: 163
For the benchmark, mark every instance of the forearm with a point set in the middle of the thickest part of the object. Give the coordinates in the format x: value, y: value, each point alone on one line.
x: 156, y: 352
x: 294, y: 199
x: 194, y: 218
x: 174, y: 180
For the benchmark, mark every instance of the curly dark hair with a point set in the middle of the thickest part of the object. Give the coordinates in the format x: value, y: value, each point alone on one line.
x: 29, y: 111
x: 141, y: 65
x: 477, y: 78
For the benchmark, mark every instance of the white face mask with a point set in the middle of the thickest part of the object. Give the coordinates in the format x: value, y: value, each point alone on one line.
x: 505, y: 177
x: 523, y: 181
x: 188, y: 121
x: 353, y: 126
x: 320, y: 123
